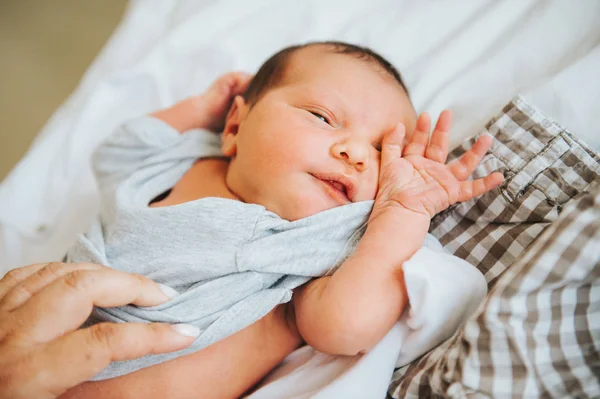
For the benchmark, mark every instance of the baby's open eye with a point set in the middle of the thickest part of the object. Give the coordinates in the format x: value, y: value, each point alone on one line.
x: 324, y: 119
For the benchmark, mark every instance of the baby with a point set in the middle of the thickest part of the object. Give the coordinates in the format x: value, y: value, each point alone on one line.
x: 291, y: 227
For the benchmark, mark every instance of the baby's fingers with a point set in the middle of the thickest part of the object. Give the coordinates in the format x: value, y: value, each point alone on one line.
x: 437, y: 150
x: 230, y: 84
x: 466, y: 164
x: 241, y: 81
x: 470, y: 189
x: 391, y: 147
x: 420, y: 137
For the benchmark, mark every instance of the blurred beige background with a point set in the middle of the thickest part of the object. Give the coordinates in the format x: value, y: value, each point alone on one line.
x: 45, y: 47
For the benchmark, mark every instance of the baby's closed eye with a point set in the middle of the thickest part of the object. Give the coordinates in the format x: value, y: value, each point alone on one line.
x: 321, y: 117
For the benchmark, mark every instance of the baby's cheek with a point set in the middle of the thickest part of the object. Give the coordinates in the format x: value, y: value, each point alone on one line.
x: 371, y: 187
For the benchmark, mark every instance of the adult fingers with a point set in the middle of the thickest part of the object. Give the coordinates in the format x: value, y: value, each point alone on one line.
x: 437, y: 150
x: 466, y: 164
x: 78, y: 356
x: 67, y: 302
x: 420, y: 137
x: 470, y: 189
x: 391, y: 147
x: 31, y: 281
x: 15, y: 276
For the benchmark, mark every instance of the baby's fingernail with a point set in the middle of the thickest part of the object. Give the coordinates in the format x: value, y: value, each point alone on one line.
x: 186, y: 329
x: 168, y: 291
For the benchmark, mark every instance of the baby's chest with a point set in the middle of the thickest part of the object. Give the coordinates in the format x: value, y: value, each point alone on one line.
x: 206, y: 178
x: 190, y: 242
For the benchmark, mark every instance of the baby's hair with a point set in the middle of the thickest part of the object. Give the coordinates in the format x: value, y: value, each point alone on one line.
x: 272, y: 72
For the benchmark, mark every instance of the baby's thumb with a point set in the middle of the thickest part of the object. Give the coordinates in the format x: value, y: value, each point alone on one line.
x: 391, y: 147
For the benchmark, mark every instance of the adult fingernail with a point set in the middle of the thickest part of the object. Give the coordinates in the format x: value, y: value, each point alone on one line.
x: 168, y: 291
x: 186, y: 329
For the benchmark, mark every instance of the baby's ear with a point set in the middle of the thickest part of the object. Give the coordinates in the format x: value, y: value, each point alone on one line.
x: 234, y: 119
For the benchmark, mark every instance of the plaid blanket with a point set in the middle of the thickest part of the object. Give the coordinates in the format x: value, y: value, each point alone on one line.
x: 538, y: 333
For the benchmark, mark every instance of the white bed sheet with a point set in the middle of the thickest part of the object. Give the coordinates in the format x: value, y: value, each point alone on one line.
x: 471, y: 56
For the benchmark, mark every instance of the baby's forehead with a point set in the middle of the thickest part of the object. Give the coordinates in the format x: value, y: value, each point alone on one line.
x: 360, y: 82
x: 314, y: 60
x: 300, y: 63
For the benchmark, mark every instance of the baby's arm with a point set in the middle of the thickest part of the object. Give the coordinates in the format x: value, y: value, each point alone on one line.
x: 206, y: 111
x: 353, y: 309
x: 145, y: 140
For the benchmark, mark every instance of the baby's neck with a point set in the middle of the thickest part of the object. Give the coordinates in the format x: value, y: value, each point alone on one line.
x: 206, y: 178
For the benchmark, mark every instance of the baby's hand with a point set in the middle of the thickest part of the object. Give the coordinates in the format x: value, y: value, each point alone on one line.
x: 208, y: 110
x: 417, y: 179
x: 217, y: 99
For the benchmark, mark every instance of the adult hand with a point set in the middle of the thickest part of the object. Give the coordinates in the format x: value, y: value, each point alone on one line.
x: 42, y: 351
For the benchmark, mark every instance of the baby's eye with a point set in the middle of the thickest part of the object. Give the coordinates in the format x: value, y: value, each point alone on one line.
x: 324, y: 119
x: 377, y: 145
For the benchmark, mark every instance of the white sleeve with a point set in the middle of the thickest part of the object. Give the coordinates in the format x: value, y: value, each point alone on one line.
x: 443, y: 291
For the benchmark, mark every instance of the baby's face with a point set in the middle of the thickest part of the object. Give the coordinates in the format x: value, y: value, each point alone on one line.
x: 313, y: 143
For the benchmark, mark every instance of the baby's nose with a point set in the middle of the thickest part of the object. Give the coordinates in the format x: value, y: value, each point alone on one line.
x: 352, y: 152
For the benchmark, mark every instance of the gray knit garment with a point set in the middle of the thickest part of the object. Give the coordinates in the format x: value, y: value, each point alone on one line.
x: 231, y: 262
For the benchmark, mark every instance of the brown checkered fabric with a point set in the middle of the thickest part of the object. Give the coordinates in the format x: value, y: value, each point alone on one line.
x: 538, y: 333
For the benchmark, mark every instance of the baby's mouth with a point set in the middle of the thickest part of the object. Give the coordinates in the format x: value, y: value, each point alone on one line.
x: 336, y: 190
x: 338, y: 185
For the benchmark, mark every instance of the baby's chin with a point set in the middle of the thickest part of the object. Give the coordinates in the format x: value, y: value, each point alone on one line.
x: 296, y: 205
x: 305, y: 210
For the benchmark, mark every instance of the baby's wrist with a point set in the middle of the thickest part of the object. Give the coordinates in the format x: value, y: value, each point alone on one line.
x: 394, y: 235
x: 186, y: 115
x: 392, y: 216
x: 195, y: 111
